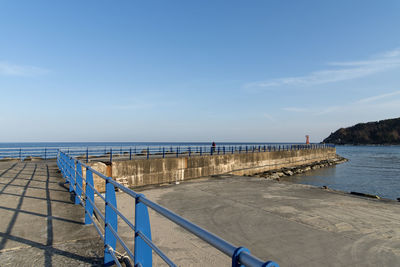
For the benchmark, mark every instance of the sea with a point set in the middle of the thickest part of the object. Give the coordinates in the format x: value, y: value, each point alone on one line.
x: 370, y: 169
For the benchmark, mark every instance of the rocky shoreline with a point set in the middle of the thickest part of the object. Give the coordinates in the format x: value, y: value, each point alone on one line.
x: 289, y: 171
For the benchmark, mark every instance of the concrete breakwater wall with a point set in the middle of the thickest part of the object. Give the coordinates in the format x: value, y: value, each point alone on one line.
x: 143, y: 172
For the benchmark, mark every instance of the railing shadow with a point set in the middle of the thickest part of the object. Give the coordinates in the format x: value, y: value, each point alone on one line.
x: 48, y: 247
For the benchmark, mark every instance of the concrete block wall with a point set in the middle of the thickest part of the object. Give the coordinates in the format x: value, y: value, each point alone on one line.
x: 99, y: 183
x: 158, y: 170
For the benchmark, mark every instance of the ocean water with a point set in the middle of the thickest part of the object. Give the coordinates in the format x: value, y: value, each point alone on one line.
x: 84, y: 145
x: 370, y: 169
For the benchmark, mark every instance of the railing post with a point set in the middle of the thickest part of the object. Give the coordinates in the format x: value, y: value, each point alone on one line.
x: 59, y: 162
x: 110, y: 155
x: 223, y: 149
x: 45, y: 153
x: 143, y: 253
x: 189, y: 151
x: 148, y: 152
x: 78, y: 186
x: 247, y: 150
x: 71, y: 166
x: 111, y: 221
x: 89, y: 194
x: 62, y: 163
x: 130, y: 153
x: 87, y: 154
x: 68, y: 172
x: 163, y: 152
x: 20, y: 154
x: 201, y: 153
x: 177, y: 152
x: 236, y: 254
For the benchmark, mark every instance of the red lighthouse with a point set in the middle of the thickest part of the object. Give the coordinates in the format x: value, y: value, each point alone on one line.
x: 307, y: 139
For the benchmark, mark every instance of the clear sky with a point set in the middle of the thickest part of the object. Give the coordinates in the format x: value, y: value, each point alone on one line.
x: 267, y: 71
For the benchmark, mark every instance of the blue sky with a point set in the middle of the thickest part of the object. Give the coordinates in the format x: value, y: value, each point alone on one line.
x: 267, y: 71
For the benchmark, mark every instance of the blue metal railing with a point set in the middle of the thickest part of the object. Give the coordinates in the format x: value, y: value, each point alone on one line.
x: 141, y: 152
x: 27, y: 152
x: 107, y: 224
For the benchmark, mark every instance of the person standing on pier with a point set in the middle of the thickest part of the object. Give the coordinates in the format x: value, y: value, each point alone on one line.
x: 213, y: 146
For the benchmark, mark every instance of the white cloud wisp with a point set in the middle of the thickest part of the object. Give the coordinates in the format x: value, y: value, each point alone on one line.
x: 389, y: 102
x: 345, y: 71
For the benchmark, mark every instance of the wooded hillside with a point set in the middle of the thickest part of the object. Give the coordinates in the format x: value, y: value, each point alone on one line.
x: 383, y: 132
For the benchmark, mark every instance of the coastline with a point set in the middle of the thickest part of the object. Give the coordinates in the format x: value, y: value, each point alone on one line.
x: 282, y: 175
x: 276, y: 174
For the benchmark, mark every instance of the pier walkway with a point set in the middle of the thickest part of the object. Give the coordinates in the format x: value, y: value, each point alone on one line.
x: 38, y: 227
x: 40, y: 224
x: 294, y: 224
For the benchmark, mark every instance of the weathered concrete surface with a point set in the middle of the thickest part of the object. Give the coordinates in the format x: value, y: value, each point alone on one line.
x: 39, y: 224
x: 142, y: 172
x: 292, y: 224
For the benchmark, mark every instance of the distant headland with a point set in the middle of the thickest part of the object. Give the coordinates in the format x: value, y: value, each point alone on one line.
x: 384, y: 132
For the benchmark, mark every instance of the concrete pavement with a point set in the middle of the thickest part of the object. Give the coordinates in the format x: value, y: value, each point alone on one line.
x: 39, y: 224
x: 292, y: 224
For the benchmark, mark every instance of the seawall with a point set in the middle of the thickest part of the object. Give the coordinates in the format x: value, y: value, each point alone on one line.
x: 141, y: 172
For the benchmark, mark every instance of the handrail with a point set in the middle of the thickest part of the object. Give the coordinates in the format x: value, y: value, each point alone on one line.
x: 151, y: 151
x: 142, y: 255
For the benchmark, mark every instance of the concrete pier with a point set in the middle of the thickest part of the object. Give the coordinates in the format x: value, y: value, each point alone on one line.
x: 141, y: 172
x: 39, y: 224
x: 292, y: 224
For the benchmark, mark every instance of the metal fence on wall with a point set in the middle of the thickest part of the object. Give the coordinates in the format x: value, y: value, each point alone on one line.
x: 140, y: 152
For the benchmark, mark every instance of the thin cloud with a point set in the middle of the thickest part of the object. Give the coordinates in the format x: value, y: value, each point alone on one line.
x: 8, y: 69
x: 268, y: 116
x: 330, y: 109
x: 368, y: 102
x: 136, y: 106
x: 346, y: 71
x: 378, y: 97
x: 294, y: 109
x: 144, y: 103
